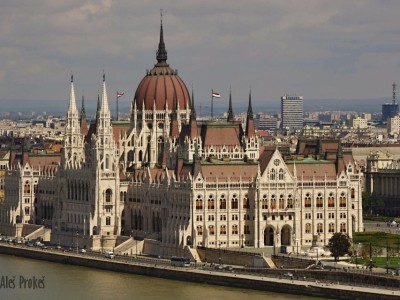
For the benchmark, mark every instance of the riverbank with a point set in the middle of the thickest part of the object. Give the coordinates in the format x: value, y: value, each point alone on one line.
x: 209, y: 276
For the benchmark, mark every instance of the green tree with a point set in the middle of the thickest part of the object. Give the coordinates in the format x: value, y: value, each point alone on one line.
x: 339, y: 244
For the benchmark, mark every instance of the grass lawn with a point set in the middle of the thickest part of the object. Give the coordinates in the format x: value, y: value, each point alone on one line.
x: 394, y: 262
x: 380, y: 241
x: 377, y: 239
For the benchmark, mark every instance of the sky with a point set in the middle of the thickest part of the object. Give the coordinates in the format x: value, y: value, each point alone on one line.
x: 319, y: 49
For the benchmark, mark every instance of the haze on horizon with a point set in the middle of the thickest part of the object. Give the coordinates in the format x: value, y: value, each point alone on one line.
x: 315, y: 48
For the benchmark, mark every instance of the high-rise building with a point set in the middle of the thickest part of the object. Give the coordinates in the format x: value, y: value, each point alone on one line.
x: 390, y: 110
x: 292, y: 112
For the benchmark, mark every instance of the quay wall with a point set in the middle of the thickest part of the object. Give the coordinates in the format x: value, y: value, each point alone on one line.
x: 196, y: 275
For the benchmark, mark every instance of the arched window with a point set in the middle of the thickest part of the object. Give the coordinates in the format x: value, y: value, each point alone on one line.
x: 342, y: 200
x: 199, y: 202
x: 281, y: 174
x: 222, y: 229
x: 234, y: 202
x: 264, y: 202
x: 290, y: 201
x: 130, y: 155
x: 210, y: 202
x: 273, y: 202
x: 246, y: 201
x: 235, y: 229
x: 211, y: 230
x: 331, y: 200
x: 272, y: 174
x: 108, y: 221
x: 320, y: 201
x: 222, y: 202
x: 140, y: 155
x: 27, y: 187
x: 342, y: 227
x: 246, y: 229
x: 108, y: 195
x: 331, y: 227
x: 308, y: 228
x: 26, y: 211
x: 353, y: 193
x: 320, y: 228
x: 281, y: 202
x: 199, y: 230
x: 307, y: 200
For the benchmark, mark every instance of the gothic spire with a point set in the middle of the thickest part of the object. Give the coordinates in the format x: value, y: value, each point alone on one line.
x: 250, y: 108
x: 104, y: 98
x: 161, y: 52
x: 72, y: 102
x: 230, y: 110
x: 192, y: 121
x: 193, y: 111
x: 83, y: 111
x: 250, y: 129
x: 174, y: 128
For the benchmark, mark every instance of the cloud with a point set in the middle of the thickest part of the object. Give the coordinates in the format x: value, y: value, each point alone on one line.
x: 321, y: 49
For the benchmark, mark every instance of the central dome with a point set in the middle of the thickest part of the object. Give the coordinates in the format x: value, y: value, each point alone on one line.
x: 161, y: 84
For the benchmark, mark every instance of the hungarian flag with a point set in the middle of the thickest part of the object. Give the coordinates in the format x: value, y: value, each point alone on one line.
x: 216, y: 95
x: 119, y: 94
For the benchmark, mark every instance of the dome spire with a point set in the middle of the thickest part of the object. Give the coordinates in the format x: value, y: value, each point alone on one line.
x: 161, y: 52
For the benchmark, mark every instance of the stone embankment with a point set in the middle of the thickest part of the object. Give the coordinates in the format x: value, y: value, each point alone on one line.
x: 235, y: 278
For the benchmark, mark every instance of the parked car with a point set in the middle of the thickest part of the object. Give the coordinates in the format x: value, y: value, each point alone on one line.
x: 109, y: 254
x: 83, y: 250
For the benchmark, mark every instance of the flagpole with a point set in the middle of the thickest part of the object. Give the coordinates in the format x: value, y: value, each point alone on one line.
x: 212, y: 98
x: 117, y: 105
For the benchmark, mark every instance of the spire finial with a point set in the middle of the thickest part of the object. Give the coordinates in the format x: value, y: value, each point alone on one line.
x: 72, y: 77
x: 104, y: 76
x: 161, y: 52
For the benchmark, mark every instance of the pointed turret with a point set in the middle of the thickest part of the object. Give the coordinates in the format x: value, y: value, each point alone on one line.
x: 83, y: 120
x: 174, y: 129
x: 230, y: 110
x: 250, y: 130
x: 72, y: 102
x: 98, y: 109
x: 192, y: 121
x: 161, y: 52
x: 73, y: 141
x: 104, y: 98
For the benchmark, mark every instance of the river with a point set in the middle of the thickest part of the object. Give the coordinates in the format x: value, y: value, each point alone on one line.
x: 22, y: 278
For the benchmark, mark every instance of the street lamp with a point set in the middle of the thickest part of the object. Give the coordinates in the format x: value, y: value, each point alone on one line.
x: 219, y: 253
x: 77, y: 233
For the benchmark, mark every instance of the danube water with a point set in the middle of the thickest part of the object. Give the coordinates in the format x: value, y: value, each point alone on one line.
x: 22, y: 278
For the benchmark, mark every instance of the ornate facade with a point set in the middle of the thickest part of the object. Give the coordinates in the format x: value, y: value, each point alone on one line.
x: 180, y: 182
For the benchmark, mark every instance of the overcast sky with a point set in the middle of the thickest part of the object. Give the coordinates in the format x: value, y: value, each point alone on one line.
x: 316, y: 48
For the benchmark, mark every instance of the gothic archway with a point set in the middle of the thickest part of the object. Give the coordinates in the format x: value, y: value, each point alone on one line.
x: 269, y: 236
x: 286, y: 235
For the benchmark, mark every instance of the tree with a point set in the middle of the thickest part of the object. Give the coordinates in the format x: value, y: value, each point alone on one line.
x: 339, y: 244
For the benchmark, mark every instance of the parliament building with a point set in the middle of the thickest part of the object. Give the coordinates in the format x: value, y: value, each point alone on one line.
x: 178, y: 182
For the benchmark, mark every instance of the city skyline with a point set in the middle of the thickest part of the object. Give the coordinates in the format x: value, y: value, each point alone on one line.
x: 318, y: 49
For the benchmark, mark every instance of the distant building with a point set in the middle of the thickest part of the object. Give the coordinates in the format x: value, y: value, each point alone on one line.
x: 389, y: 110
x: 268, y: 123
x: 292, y: 112
x: 382, y: 177
x: 394, y: 125
x: 359, y: 123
